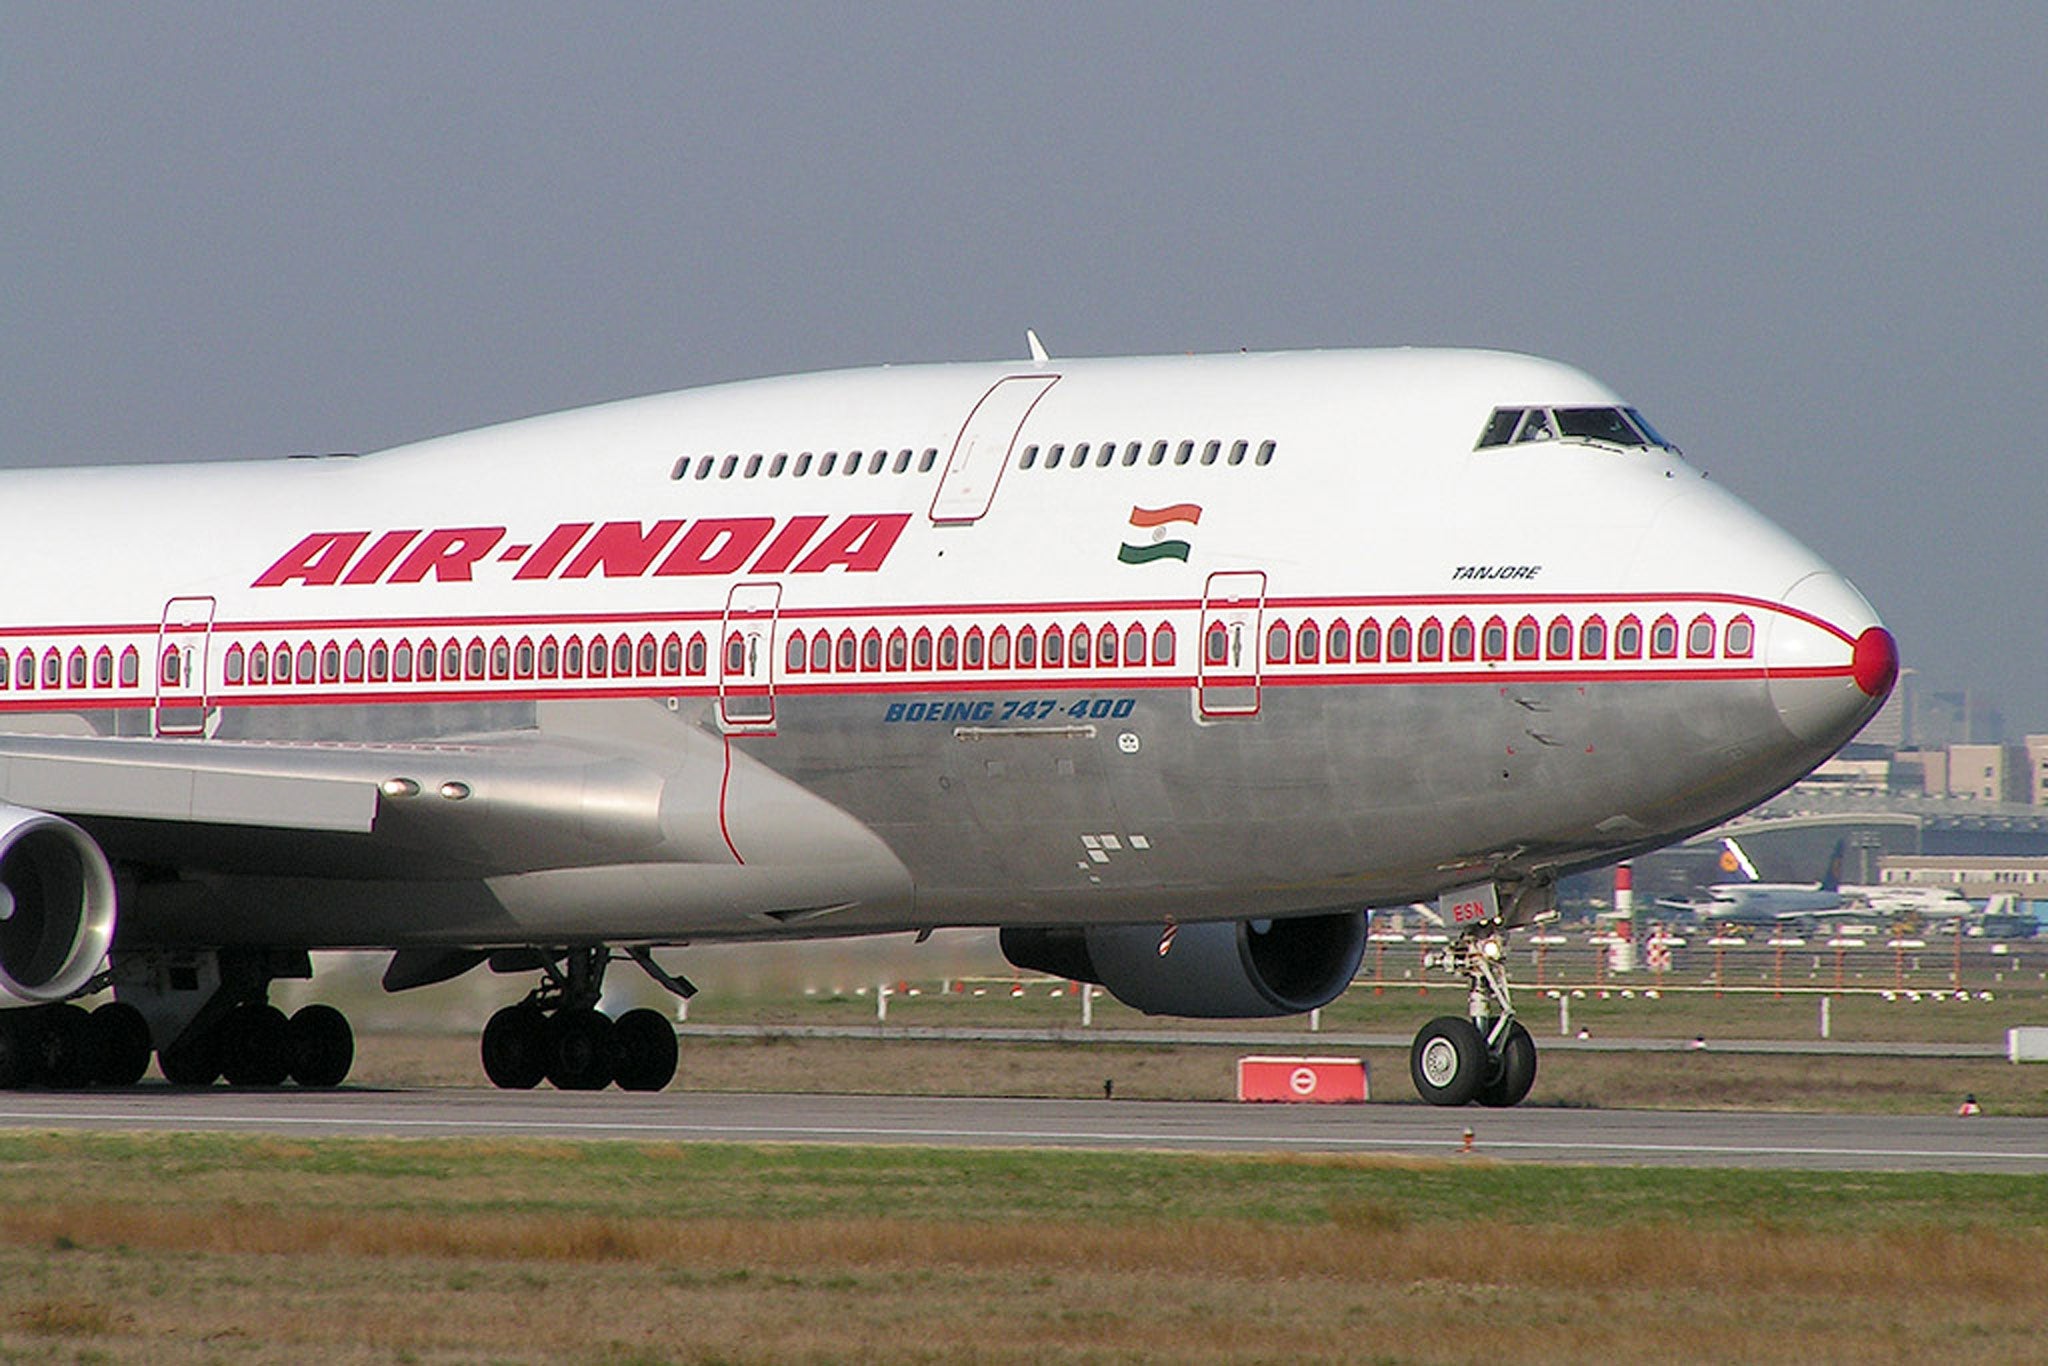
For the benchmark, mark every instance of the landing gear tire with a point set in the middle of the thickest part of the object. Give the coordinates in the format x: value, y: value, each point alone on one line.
x: 1448, y: 1061
x: 515, y: 1048
x: 320, y: 1046
x: 579, y: 1050
x: 14, y: 1053
x: 1515, y: 1071
x: 254, y: 1049
x: 644, y: 1048
x: 121, y: 1048
x: 61, y: 1052
x: 191, y: 1062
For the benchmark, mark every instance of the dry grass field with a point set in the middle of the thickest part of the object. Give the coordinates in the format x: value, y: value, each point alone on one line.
x: 201, y: 1249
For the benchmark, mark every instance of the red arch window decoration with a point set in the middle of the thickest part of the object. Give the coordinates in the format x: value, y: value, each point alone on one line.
x: 949, y: 649
x: 131, y: 667
x: 233, y: 666
x: 796, y: 654
x: 78, y: 668
x: 1664, y: 637
x: 25, y: 669
x: 1527, y: 638
x: 848, y: 652
x: 650, y: 656
x: 1279, y: 639
x: 1462, y: 641
x: 921, y: 649
x: 103, y: 668
x: 1105, y: 646
x: 1593, y: 638
x: 1134, y: 644
x: 1368, y: 645
x: 1429, y: 640
x: 871, y: 651
x: 305, y: 662
x: 821, y: 652
x: 501, y: 658
x: 1080, y: 646
x: 999, y: 648
x: 697, y: 655
x: 1163, y: 643
x: 1027, y: 647
x: 1337, y: 642
x: 475, y: 659
x: 1493, y: 639
x: 1628, y: 637
x: 622, y: 656
x: 355, y: 662
x: 899, y: 650
x: 672, y: 654
x: 1699, y: 637
x: 1557, y: 641
x: 524, y: 658
x: 380, y: 661
x: 735, y: 653
x: 1216, y: 644
x: 974, y: 648
x: 1054, y: 651
x: 1740, y: 640
x: 1400, y: 640
x: 1308, y: 643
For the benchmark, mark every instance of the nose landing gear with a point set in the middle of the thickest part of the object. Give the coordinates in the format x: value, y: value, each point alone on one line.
x: 1487, y: 1056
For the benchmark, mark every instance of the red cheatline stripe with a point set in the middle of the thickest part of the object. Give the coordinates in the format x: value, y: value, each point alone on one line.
x: 1178, y: 512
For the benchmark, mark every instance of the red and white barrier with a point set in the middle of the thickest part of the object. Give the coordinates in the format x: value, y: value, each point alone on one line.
x: 1315, y: 1081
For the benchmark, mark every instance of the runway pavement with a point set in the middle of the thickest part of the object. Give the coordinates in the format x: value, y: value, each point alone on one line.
x: 1530, y: 1133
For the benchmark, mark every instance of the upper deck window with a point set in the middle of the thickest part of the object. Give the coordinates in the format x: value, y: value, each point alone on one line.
x: 1623, y: 427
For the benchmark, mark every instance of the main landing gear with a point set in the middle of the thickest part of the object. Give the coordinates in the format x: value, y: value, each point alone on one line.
x: 558, y: 1034
x: 1486, y: 1056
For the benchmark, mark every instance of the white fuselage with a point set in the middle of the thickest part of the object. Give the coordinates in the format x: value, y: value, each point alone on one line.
x: 685, y: 682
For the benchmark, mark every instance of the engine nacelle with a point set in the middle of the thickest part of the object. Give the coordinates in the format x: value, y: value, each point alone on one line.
x: 56, y: 905
x: 1235, y: 969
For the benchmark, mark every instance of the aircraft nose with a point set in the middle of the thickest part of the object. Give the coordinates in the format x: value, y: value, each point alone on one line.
x: 1828, y: 661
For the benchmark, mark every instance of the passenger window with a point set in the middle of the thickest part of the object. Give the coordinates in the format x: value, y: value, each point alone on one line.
x: 1741, y: 638
x: 1368, y: 642
x: 1028, y: 459
x: 1216, y: 644
x: 1027, y: 648
x: 1493, y: 642
x: 1559, y: 645
x: 921, y: 650
x: 698, y: 655
x: 572, y: 658
x: 1276, y: 643
x: 353, y: 663
x: 1265, y: 456
x: 793, y: 654
x: 1399, y: 640
x: 949, y: 649
x: 1593, y: 639
x: 1237, y: 452
x: 845, y: 657
x: 522, y: 662
x: 1628, y: 639
x: 1055, y: 647
x: 1429, y: 641
x: 1525, y: 638
x: 899, y: 650
x: 550, y: 658
x: 1664, y: 638
x: 1162, y: 645
x: 871, y: 651
x: 1461, y: 639
x: 999, y: 648
x: 380, y: 662
x: 259, y: 665
x: 821, y: 652
x: 1080, y: 646
x: 1699, y: 637
x: 131, y: 667
x: 401, y: 662
x: 972, y: 648
x: 1340, y: 642
x: 233, y: 668
x: 1308, y: 643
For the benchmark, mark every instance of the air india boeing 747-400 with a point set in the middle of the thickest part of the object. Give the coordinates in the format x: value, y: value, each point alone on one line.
x: 1170, y: 668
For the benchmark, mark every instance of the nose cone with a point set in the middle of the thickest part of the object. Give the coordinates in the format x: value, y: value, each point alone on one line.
x: 1829, y: 662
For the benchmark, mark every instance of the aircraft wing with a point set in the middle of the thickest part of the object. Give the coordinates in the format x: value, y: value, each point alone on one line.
x: 488, y: 806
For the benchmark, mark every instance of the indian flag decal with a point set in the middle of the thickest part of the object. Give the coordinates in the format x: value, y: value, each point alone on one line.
x: 1169, y: 527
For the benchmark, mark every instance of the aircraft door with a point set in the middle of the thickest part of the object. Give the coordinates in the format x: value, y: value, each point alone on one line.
x: 982, y: 451
x: 183, y: 640
x: 1227, y: 668
x: 746, y: 657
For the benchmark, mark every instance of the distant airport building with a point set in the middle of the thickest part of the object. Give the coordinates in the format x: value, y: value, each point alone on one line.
x: 1976, y: 878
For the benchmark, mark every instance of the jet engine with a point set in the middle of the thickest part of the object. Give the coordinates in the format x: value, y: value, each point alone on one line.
x: 56, y: 905
x: 1232, y: 969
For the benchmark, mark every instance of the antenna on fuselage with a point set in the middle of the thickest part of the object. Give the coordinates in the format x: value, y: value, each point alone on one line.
x: 1038, y: 356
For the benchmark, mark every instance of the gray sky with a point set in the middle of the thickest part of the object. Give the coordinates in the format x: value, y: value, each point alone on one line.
x: 1810, y: 241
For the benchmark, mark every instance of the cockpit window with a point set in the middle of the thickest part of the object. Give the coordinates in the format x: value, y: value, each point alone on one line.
x: 1599, y: 424
x: 1608, y: 426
